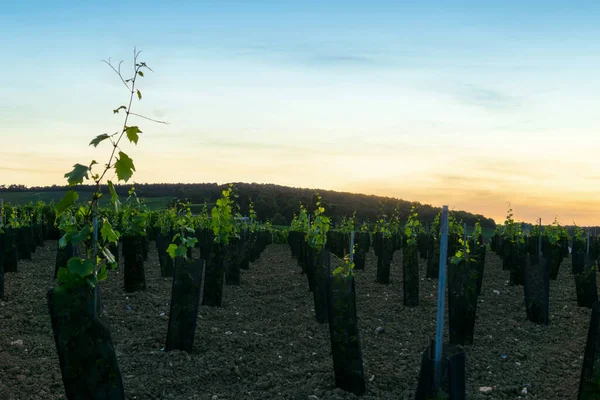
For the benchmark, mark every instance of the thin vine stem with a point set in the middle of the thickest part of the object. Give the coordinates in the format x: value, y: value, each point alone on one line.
x: 115, y: 144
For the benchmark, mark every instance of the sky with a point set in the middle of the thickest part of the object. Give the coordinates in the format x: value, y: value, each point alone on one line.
x: 470, y: 104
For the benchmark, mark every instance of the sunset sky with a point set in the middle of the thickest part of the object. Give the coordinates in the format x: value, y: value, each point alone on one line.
x: 462, y: 103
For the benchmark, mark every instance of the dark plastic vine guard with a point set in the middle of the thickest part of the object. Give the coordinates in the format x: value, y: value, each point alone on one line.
x: 589, y: 384
x: 363, y: 241
x: 294, y: 239
x: 321, y: 265
x: 185, y: 301
x: 232, y: 262
x: 410, y: 272
x: 11, y: 253
x: 244, y: 251
x: 213, y: 278
x: 145, y: 247
x: 462, y: 302
x: 23, y: 243
x: 38, y: 235
x: 166, y: 267
x: 481, y: 252
x: 537, y: 286
x: 134, y: 275
x: 554, y: 254
x: 518, y: 264
x: 308, y: 261
x: 433, y: 258
x: 86, y: 353
x: 385, y: 250
x: 343, y: 331
x: 452, y: 381
x: 577, y: 257
x: 585, y: 283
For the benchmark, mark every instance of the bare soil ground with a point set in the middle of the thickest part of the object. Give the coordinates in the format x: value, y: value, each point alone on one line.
x: 265, y: 343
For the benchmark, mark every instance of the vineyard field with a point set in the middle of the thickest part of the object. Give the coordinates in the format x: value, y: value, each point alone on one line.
x: 264, y: 343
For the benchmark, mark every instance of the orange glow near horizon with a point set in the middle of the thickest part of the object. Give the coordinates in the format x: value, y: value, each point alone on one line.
x: 474, y: 184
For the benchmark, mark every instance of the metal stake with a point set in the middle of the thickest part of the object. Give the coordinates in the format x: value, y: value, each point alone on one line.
x: 439, y: 337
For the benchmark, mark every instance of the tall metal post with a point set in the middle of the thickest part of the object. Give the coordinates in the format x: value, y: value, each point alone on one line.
x: 439, y: 337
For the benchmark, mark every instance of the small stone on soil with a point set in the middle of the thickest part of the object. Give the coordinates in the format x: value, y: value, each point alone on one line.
x: 485, y: 389
x: 380, y: 329
x: 263, y: 385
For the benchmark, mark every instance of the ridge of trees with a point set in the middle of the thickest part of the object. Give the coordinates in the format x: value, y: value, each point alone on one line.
x: 278, y: 203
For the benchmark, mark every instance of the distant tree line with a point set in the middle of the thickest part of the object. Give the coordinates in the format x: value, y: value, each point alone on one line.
x: 278, y: 204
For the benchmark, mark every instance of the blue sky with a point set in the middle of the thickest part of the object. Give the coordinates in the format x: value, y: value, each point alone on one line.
x: 466, y: 103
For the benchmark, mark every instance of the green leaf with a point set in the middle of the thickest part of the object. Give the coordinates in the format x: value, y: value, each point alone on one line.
x: 172, y: 250
x: 102, y: 273
x: 80, y: 267
x: 62, y: 242
x: 77, y: 175
x: 113, y: 193
x: 140, y: 73
x: 114, y: 197
x: 116, y: 111
x: 99, y: 139
x: 124, y: 167
x: 110, y: 258
x: 139, y: 94
x: 67, y: 201
x: 78, y: 237
x: 108, y: 233
x: 132, y: 134
x: 190, y: 242
x: 63, y: 275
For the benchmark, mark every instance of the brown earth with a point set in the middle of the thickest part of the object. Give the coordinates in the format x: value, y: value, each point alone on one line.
x: 265, y: 343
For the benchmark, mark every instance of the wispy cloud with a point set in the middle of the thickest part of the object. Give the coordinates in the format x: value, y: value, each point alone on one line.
x: 313, y: 53
x: 487, y: 98
x: 343, y: 60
